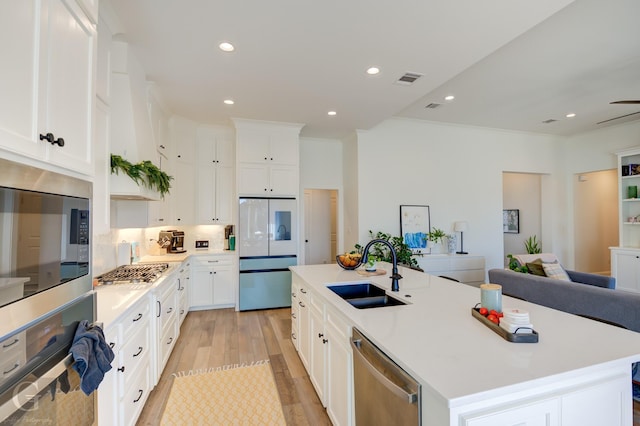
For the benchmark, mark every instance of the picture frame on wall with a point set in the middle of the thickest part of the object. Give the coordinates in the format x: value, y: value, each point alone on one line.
x: 415, y: 223
x: 511, y: 221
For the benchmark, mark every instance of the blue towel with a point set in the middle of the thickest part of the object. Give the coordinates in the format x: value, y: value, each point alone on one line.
x: 92, y: 356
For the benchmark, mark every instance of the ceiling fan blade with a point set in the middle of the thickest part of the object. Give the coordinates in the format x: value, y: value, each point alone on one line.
x: 625, y: 102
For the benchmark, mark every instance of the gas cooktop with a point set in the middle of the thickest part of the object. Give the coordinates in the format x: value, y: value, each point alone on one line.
x: 132, y: 274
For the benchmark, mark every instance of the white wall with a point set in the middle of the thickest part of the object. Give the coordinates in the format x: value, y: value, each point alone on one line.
x: 456, y: 170
x: 590, y: 152
x: 522, y: 191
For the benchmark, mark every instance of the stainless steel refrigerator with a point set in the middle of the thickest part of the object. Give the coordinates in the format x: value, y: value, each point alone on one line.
x: 267, y: 240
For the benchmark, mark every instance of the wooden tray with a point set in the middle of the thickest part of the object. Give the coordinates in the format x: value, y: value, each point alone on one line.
x: 372, y: 273
x: 510, y: 337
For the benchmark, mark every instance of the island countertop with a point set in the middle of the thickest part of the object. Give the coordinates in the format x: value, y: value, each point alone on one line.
x: 436, y: 339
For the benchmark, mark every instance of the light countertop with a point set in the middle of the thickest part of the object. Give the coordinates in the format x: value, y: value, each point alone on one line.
x: 179, y: 257
x: 436, y: 339
x: 114, y: 300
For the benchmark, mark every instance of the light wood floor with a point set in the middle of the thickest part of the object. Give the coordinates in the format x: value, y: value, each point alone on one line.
x: 221, y: 337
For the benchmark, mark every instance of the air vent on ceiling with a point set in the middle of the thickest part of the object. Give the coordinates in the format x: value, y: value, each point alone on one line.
x: 551, y: 120
x: 433, y: 105
x: 408, y: 78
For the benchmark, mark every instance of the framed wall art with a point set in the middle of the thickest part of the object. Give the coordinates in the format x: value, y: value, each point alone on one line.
x: 511, y: 221
x: 415, y: 223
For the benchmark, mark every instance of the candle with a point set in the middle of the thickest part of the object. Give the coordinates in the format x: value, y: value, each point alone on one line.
x: 491, y: 296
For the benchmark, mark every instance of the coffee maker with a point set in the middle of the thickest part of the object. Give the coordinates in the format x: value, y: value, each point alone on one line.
x: 176, y: 238
x: 228, y: 231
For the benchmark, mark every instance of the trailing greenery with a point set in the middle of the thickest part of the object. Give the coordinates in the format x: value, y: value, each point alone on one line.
x: 382, y: 252
x: 144, y: 173
x: 532, y: 245
x: 514, y: 265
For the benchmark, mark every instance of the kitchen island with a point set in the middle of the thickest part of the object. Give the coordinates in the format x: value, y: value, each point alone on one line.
x: 579, y: 373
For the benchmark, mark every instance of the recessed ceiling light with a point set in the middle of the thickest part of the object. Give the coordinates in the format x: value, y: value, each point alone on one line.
x: 226, y: 46
x: 332, y: 113
x: 229, y: 101
x: 449, y: 98
x: 571, y: 115
x: 373, y: 70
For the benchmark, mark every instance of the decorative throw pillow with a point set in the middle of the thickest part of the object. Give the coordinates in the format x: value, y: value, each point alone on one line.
x: 536, y: 268
x: 555, y: 270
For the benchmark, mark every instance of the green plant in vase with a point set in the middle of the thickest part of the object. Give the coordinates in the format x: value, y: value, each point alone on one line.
x: 532, y: 245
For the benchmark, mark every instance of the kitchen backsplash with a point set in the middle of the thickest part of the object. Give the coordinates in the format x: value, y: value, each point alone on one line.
x: 105, y: 245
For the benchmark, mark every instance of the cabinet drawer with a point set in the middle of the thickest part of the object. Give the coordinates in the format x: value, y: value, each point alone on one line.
x: 15, y: 344
x: 212, y: 261
x: 135, y: 317
x: 461, y: 263
x: 167, y: 342
x: 135, y: 354
x: 135, y: 396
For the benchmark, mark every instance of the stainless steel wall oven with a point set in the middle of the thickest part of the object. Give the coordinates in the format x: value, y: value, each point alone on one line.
x: 45, y: 291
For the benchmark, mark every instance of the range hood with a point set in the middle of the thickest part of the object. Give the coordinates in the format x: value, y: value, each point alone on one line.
x: 131, y: 132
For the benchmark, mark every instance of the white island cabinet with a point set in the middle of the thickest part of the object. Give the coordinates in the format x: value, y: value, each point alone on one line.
x: 577, y: 374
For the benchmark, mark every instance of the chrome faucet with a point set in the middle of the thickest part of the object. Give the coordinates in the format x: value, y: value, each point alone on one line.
x: 395, y: 276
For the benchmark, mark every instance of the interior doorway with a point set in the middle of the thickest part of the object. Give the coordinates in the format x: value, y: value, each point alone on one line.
x: 320, y: 226
x: 595, y: 218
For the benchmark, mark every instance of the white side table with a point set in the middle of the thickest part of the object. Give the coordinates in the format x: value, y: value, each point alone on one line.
x: 466, y: 268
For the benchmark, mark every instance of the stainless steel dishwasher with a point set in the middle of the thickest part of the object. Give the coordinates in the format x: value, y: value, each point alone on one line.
x: 384, y: 393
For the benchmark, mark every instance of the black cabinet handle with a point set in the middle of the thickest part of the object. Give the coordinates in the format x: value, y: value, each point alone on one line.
x: 170, y: 340
x: 51, y: 139
x: 16, y: 365
x: 121, y: 369
x: 137, y: 318
x: 301, y: 304
x: 303, y: 291
x: 11, y: 344
x: 139, y: 351
x: 169, y: 310
x: 112, y: 344
x: 320, y: 335
x: 324, y: 341
x: 139, y: 396
x: 159, y: 309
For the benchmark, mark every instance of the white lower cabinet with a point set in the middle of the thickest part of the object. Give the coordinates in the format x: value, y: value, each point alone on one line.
x: 323, y: 338
x: 183, y: 291
x: 304, y: 319
x: 126, y: 386
x: 164, y: 300
x: 541, y: 413
x: 318, y: 364
x: 625, y: 268
x: 213, y: 282
x: 466, y: 268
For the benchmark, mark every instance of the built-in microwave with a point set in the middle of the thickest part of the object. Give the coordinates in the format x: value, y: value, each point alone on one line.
x: 44, y: 243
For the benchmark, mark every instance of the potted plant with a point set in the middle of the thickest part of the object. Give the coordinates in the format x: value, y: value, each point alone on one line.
x: 382, y: 253
x: 532, y: 245
x: 435, y: 238
x: 371, y: 263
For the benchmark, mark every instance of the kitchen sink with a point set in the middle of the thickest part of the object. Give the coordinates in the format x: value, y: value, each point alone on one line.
x: 365, y: 295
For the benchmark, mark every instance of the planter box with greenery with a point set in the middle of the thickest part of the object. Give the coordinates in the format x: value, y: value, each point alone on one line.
x: 144, y: 173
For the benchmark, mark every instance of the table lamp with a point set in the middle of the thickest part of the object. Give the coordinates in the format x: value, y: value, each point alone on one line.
x: 460, y: 227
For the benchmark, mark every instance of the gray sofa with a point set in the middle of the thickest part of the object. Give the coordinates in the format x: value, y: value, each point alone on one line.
x: 588, y: 295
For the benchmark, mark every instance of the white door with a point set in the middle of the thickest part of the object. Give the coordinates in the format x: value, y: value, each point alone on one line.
x: 320, y: 226
x: 253, y: 233
x: 283, y: 234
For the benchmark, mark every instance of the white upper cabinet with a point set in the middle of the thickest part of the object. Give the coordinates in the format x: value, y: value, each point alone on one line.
x: 215, y: 176
x: 47, y: 93
x: 268, y: 158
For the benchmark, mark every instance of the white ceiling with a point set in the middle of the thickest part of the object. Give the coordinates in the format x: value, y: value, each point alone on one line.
x: 510, y: 63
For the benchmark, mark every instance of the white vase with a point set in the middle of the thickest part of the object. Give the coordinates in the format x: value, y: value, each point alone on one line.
x: 436, y: 248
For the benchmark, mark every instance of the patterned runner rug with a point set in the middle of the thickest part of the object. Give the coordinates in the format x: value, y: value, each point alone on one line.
x: 230, y: 395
